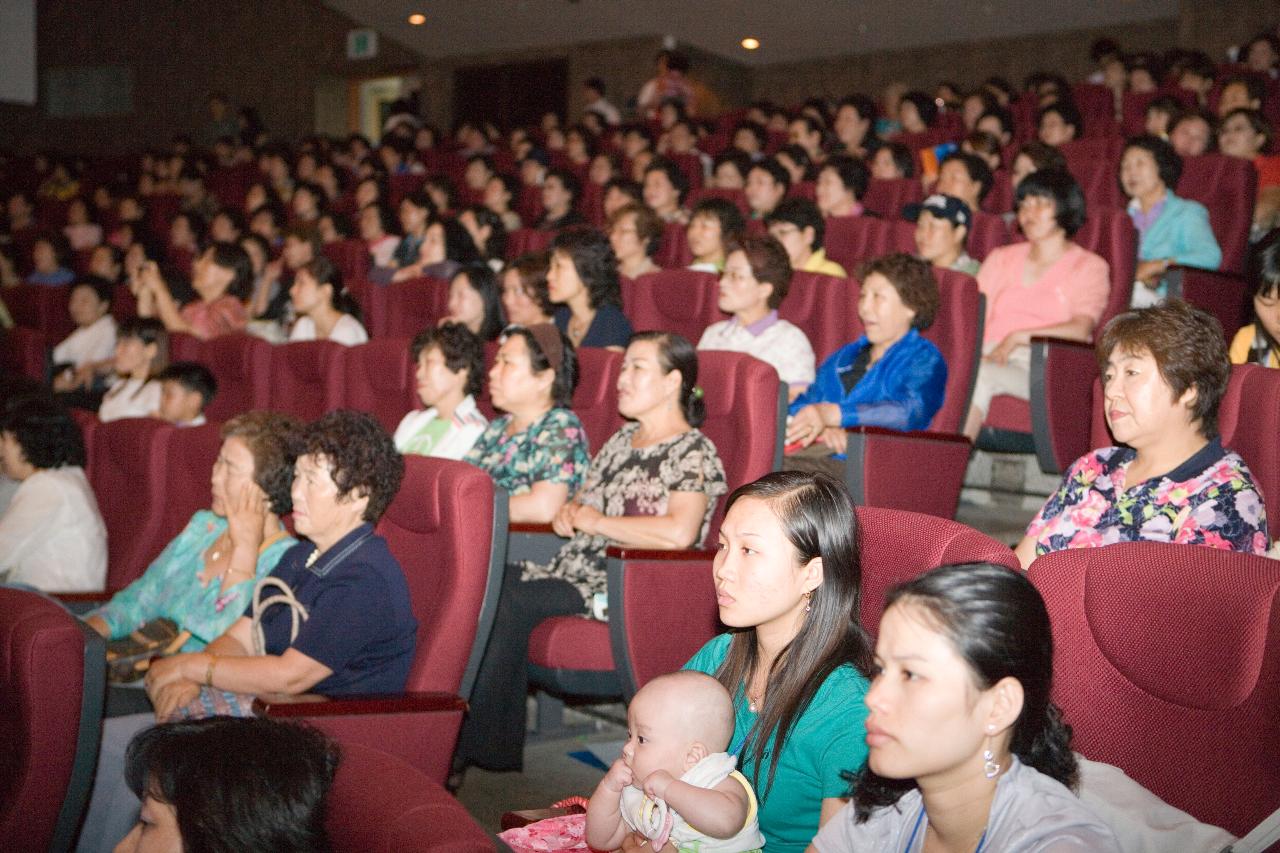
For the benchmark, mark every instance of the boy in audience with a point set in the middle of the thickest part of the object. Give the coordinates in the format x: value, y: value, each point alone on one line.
x: 798, y: 225
x: 186, y: 388
x: 942, y: 226
x: 674, y: 766
x: 767, y: 184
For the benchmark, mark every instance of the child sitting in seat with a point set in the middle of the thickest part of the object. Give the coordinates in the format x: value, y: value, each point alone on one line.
x: 674, y: 773
x: 186, y: 388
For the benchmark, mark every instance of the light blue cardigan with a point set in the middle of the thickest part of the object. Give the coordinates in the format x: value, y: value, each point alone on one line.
x: 1182, y: 232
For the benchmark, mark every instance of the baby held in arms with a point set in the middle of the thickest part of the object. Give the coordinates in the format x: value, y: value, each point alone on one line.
x: 674, y: 774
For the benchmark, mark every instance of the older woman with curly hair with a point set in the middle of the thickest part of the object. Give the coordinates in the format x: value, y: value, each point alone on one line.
x: 203, y: 579
x: 359, y: 632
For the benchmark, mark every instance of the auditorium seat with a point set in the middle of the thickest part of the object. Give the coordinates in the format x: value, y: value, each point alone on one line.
x: 189, y: 454
x: 447, y: 527
x: 1095, y: 164
x: 52, y: 684
x: 241, y: 364
x: 378, y: 377
x: 351, y: 257
x: 305, y: 378
x: 886, y: 198
x: 128, y: 478
x: 1227, y: 187
x: 824, y: 308
x: 380, y: 804
x: 595, y: 400
x: 24, y: 352
x: 736, y: 197
x: 1167, y: 665
x: 414, y: 305
x: 525, y: 240
x: 850, y: 240
x: 401, y: 186
x: 673, y: 300
x: 1097, y: 110
x: 988, y: 232
x: 41, y: 307
x: 673, y: 247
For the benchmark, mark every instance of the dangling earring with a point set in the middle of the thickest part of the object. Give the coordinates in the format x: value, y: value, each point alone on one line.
x: 990, y: 768
x: 808, y: 605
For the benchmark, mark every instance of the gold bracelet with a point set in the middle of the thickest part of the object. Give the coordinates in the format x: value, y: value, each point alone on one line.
x: 208, y: 673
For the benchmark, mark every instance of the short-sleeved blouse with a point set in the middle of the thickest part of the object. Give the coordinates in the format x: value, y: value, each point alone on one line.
x: 552, y: 448
x: 1210, y: 499
x: 222, y: 316
x: 626, y: 480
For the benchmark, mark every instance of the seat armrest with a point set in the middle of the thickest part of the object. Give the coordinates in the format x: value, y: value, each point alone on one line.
x: 279, y: 706
x: 919, y: 471
x: 1062, y: 374
x: 536, y: 543
x: 81, y: 597
x: 529, y: 527
x: 1222, y: 294
x: 670, y: 554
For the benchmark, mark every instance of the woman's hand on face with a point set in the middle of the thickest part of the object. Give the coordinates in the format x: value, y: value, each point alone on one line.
x: 562, y: 524
x: 805, y: 427
x: 246, y: 517
x: 834, y: 439
x: 168, y: 699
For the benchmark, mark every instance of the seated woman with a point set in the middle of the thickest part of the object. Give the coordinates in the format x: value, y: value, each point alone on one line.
x: 193, y: 799
x: 525, y: 298
x: 450, y: 363
x: 1246, y: 134
x: 1045, y: 286
x: 841, y: 184
x: 416, y: 214
x: 359, y: 633
x: 1164, y: 371
x: 84, y: 356
x: 142, y: 352
x: 635, y: 232
x: 475, y: 302
x: 665, y: 188
x: 890, y: 377
x: 81, y: 231
x: 757, y: 276
x: 714, y: 224
x: 964, y: 744
x: 1259, y: 342
x: 380, y: 233
x: 796, y: 660
x: 653, y: 484
x: 51, y: 535
x: 1171, y: 230
x: 50, y: 261
x: 325, y: 309
x: 538, y: 450
x: 204, y: 578
x: 487, y: 234
x: 583, y: 281
x: 222, y: 278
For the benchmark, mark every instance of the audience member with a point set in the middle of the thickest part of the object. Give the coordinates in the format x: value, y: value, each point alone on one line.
x: 1059, y: 122
x: 797, y: 224
x: 714, y: 224
x: 1259, y: 342
x: 51, y: 535
x: 487, y: 233
x: 475, y: 301
x: 378, y: 231
x: 450, y: 362
x: 964, y: 743
x: 142, y: 353
x: 665, y: 188
x: 757, y: 275
x: 526, y: 299
x: 1169, y: 479
x: 767, y: 184
x: 325, y: 309
x: 917, y: 112
x: 730, y: 169
x: 893, y: 161
x: 842, y: 182
x: 82, y: 359
x: 500, y: 194
x: 889, y: 377
x: 593, y: 92
x: 635, y: 233
x: 966, y: 177
x: 1191, y: 134
x: 50, y: 261
x: 560, y: 192
x: 855, y: 125
x: 583, y: 281
x: 942, y: 228
x: 81, y: 231
x: 1246, y: 134
x: 186, y: 389
x: 222, y: 280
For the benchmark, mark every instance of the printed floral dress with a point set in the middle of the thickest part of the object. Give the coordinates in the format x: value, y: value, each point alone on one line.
x: 552, y: 448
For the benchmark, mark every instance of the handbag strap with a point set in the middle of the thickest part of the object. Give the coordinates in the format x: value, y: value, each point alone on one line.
x: 297, y: 611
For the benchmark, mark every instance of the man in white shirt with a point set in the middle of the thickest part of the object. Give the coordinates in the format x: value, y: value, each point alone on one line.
x: 593, y: 92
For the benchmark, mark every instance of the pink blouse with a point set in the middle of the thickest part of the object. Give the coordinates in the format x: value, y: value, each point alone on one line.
x: 222, y: 316
x: 1078, y: 283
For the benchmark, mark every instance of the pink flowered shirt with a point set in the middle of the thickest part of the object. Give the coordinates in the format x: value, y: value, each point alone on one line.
x: 1210, y: 499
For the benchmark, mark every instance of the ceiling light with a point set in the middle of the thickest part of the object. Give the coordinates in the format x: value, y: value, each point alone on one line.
x: 750, y: 43
x: 417, y: 19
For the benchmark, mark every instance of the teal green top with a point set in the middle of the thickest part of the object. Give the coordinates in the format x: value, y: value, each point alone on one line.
x: 828, y: 739
x: 171, y: 588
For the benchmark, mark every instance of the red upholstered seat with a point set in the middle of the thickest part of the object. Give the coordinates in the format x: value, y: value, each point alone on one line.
x: 824, y: 308
x: 850, y: 240
x: 586, y: 639
x: 128, y: 479
x: 41, y: 307
x: 737, y: 197
x: 988, y: 232
x: 675, y: 300
x: 380, y: 804
x: 957, y: 333
x: 241, y: 364
x: 414, y: 305
x: 351, y: 257
x: 887, y: 197
x: 673, y: 249
x: 399, y: 186
x: 51, y: 688
x: 1095, y: 164
x: 24, y: 352
x: 123, y: 303
x: 229, y: 185
x: 1227, y: 187
x: 378, y: 377
x: 447, y: 527
x: 1167, y: 665
x: 305, y: 378
x: 595, y: 400
x: 524, y: 240
x: 188, y: 466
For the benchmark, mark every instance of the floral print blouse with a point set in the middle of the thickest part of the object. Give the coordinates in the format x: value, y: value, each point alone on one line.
x: 624, y: 480
x: 553, y: 448
x: 1210, y: 499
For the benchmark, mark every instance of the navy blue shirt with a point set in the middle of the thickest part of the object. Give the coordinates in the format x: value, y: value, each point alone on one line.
x: 360, y: 622
x: 609, y: 328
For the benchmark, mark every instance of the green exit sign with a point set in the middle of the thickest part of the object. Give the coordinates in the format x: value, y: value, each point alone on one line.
x: 362, y: 44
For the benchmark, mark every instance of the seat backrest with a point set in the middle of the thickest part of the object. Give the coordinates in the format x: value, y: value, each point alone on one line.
x: 379, y: 803
x: 399, y: 186
x: 1094, y: 163
x: 897, y: 546
x: 681, y: 301
x: 241, y: 364
x: 305, y: 378
x: 378, y: 377
x: 188, y: 465
x: 24, y: 352
x: 1166, y: 664
x: 744, y: 418
x: 414, y: 305
x: 52, y: 681
x: 988, y: 232
x: 673, y: 247
x: 1227, y: 187
x: 1110, y: 234
x: 736, y: 197
x: 447, y: 526
x: 1250, y: 425
x: 595, y: 400
x: 351, y: 257
x: 820, y: 306
x: 850, y: 240
x: 128, y: 479
x: 887, y: 197
x: 524, y: 240
x: 957, y: 333
x: 41, y: 307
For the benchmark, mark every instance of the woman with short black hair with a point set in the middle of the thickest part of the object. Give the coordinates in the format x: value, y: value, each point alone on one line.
x: 583, y: 281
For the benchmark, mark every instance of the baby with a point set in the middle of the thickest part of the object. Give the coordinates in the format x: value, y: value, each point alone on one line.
x: 674, y: 774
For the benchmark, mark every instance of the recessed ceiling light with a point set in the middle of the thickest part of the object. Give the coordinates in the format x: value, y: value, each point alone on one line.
x: 417, y: 19
x: 750, y: 43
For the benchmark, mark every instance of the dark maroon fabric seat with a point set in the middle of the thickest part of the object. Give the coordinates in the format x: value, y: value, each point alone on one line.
x: 41, y: 307
x: 188, y: 467
x: 674, y: 300
x: 850, y: 240
x: 351, y: 257
x: 306, y: 378
x: 824, y: 308
x: 128, y: 479
x: 241, y: 364
x: 886, y: 198
x: 413, y: 305
x: 524, y: 240
x: 1167, y: 665
x: 24, y: 352
x: 52, y: 683
x: 673, y: 247
x: 378, y: 377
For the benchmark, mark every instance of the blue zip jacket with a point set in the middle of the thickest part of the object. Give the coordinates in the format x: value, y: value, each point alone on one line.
x: 903, y: 390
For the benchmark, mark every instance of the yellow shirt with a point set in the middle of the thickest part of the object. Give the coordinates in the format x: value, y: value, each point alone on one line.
x: 1243, y: 341
x: 818, y: 263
